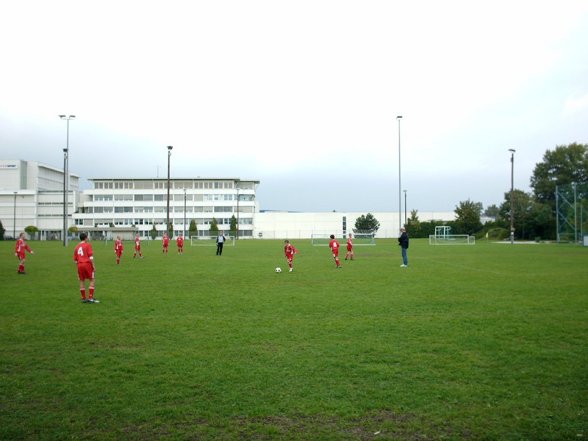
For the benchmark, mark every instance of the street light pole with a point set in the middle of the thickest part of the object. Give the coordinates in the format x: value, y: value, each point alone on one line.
x: 398, y: 118
x: 14, y: 218
x: 512, y: 152
x: 169, y: 150
x: 184, y: 235
x: 238, y: 199
x: 66, y: 177
x: 405, y: 220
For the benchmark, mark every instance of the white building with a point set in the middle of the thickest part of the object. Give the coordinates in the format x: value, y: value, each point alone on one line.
x: 31, y: 194
x: 142, y: 204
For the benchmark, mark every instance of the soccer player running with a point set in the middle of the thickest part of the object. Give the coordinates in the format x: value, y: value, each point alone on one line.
x: 118, y: 249
x: 350, y: 252
x: 19, y: 252
x: 137, y: 247
x: 165, y: 243
x: 289, y: 252
x: 84, y: 258
x: 334, y: 246
x: 180, y: 244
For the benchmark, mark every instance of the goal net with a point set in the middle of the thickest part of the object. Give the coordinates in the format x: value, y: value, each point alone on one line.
x: 203, y: 241
x: 452, y: 239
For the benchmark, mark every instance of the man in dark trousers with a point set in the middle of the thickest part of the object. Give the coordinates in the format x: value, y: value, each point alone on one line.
x: 403, y: 242
x: 220, y: 241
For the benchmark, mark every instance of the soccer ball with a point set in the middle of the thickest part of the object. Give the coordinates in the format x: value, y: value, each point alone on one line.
x: 278, y: 270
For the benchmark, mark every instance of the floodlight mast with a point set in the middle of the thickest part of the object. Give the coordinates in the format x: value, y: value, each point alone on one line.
x: 512, y: 152
x: 169, y: 150
x: 398, y: 118
x: 66, y: 177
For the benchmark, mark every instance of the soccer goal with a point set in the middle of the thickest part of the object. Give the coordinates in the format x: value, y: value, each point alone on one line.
x: 452, y: 239
x: 359, y: 239
x: 203, y: 241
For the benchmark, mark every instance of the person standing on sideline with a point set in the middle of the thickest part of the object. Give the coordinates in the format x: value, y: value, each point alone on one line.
x: 84, y: 258
x: 334, y: 246
x: 165, y: 243
x: 118, y: 249
x: 19, y: 252
x: 220, y: 242
x: 137, y: 247
x: 403, y: 242
x: 180, y: 244
x: 289, y: 251
x: 350, y: 252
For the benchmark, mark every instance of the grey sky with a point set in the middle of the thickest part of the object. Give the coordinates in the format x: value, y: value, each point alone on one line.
x: 300, y: 95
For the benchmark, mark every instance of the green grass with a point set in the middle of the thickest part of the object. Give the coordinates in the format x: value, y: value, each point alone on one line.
x: 470, y: 342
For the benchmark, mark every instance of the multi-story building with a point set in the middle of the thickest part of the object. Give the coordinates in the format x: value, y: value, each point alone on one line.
x: 142, y: 205
x: 31, y: 194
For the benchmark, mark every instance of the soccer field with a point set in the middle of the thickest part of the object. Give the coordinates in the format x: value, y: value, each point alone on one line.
x: 469, y: 342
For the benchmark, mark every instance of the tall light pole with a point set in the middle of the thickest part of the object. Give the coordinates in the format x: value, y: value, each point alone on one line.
x: 238, y: 199
x: 184, y: 235
x: 169, y: 150
x: 398, y: 118
x: 14, y: 218
x: 405, y: 220
x: 512, y: 152
x: 66, y: 177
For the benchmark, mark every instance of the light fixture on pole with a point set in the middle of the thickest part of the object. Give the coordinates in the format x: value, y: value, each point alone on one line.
x: 238, y: 199
x: 512, y: 152
x: 398, y: 118
x: 14, y: 218
x: 169, y: 150
x: 66, y: 177
x: 184, y: 235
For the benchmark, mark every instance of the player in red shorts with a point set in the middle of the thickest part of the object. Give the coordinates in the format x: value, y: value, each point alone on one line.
x: 137, y: 247
x: 84, y: 257
x: 118, y: 249
x: 19, y: 252
x: 289, y: 251
x: 350, y: 252
x: 334, y: 246
x: 165, y: 242
x: 180, y: 244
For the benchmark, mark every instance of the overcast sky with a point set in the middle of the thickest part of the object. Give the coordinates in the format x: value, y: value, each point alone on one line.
x: 301, y: 95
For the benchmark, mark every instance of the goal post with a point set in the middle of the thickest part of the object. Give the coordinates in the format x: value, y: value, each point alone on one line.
x: 203, y: 241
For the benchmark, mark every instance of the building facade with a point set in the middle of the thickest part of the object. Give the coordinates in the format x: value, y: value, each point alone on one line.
x: 31, y: 194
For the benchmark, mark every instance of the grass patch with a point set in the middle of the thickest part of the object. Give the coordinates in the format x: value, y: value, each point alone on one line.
x: 470, y: 342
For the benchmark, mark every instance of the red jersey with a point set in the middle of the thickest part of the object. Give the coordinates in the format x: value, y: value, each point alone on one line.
x: 118, y: 246
x: 289, y: 250
x: 137, y: 243
x: 83, y: 253
x: 180, y: 241
x: 21, y: 246
x: 165, y: 241
x: 349, y: 244
x: 334, y: 246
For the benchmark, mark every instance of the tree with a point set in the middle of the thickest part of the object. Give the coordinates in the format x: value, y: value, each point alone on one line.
x: 562, y: 166
x: 2, y: 231
x: 233, y: 226
x: 153, y: 232
x: 367, y: 223
x: 31, y: 230
x: 467, y: 219
x: 213, y: 227
x: 492, y: 211
x: 531, y: 219
x: 413, y: 225
x: 170, y: 230
x: 193, y: 231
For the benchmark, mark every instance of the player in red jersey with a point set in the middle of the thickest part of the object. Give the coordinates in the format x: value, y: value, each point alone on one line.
x: 165, y: 242
x: 137, y: 247
x: 334, y: 246
x: 84, y: 257
x: 350, y: 252
x: 19, y: 252
x: 289, y: 252
x: 118, y: 249
x: 180, y: 244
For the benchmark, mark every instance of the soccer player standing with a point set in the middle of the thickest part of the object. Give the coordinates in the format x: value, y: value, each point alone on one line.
x: 165, y: 242
x: 84, y: 258
x: 350, y: 252
x: 118, y: 249
x: 289, y: 252
x: 19, y: 252
x: 334, y: 246
x: 180, y: 244
x: 137, y: 247
x: 220, y: 242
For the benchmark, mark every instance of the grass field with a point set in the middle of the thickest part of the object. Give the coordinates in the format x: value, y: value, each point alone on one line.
x: 470, y: 342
